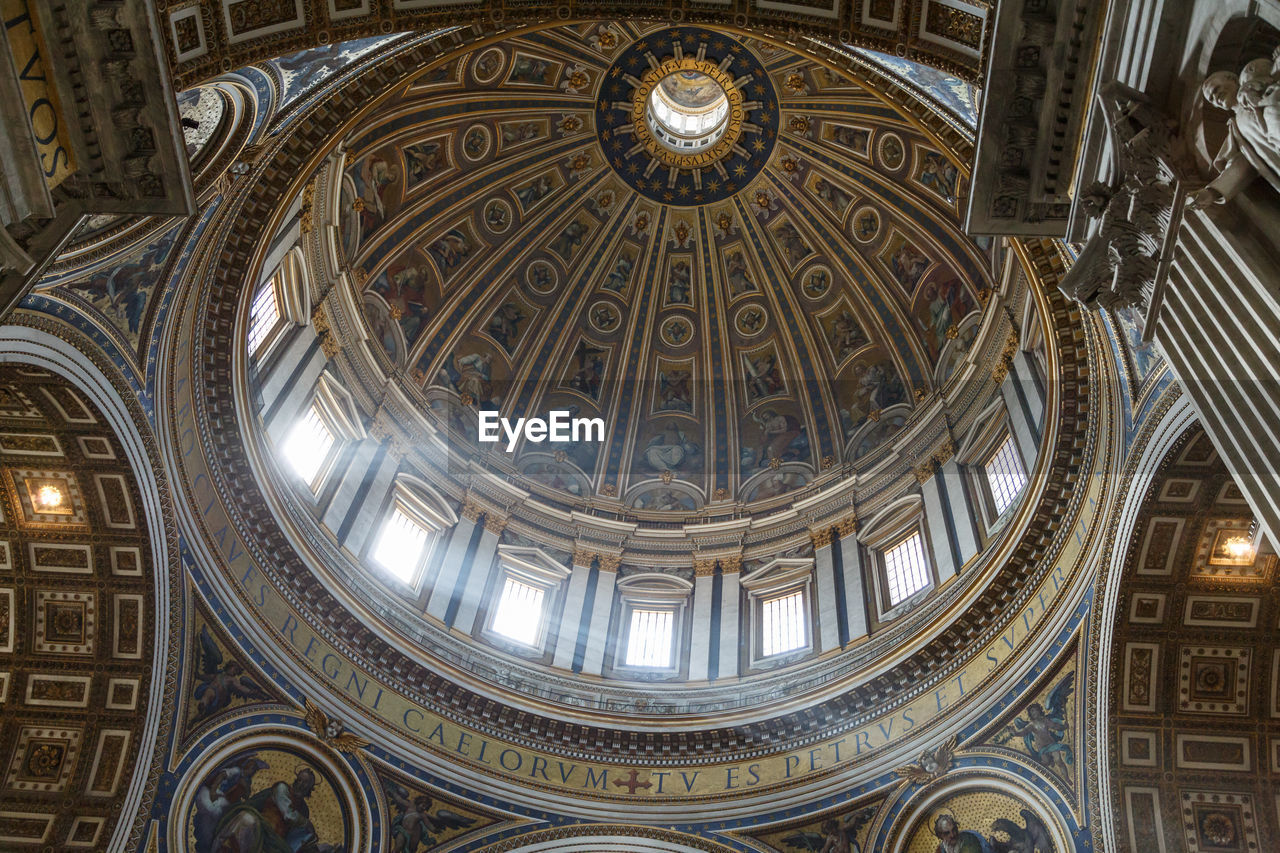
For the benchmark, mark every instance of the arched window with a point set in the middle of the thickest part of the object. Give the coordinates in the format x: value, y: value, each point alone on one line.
x: 280, y: 300
x: 313, y: 443
x: 780, y: 611
x: 528, y: 585
x: 900, y: 557
x: 411, y: 531
x: 995, y: 472
x: 651, y: 622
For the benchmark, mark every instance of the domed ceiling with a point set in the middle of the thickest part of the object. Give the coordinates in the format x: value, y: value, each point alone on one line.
x: 750, y: 320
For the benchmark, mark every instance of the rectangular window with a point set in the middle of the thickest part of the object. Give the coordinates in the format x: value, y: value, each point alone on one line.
x: 906, y: 572
x: 782, y: 624
x: 649, y: 643
x: 308, y: 446
x: 1005, y: 475
x: 401, y: 545
x: 519, y: 613
x: 264, y: 314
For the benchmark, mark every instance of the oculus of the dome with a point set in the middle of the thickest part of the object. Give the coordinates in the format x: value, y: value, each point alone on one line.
x: 687, y: 112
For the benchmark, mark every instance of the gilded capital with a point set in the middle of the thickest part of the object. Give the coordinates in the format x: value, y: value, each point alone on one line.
x: 472, y: 509
x: 610, y: 562
x: 821, y: 536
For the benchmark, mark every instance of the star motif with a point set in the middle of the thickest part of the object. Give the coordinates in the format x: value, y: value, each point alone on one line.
x: 714, y: 186
x: 667, y: 196
x: 758, y: 89
x: 615, y: 72
x: 739, y: 170
x: 683, y: 190
x: 758, y: 144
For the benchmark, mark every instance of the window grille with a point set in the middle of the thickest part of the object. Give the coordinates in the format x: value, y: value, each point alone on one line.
x: 782, y: 624
x: 649, y: 643
x: 519, y: 613
x: 1005, y: 475
x: 906, y: 572
x: 264, y: 314
x: 308, y: 446
x: 400, y: 545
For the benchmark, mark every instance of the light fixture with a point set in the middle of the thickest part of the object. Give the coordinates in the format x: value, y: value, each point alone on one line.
x: 1241, y: 547
x: 49, y: 497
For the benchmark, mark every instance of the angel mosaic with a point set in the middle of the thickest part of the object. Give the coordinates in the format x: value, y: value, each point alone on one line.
x: 832, y: 196
x: 738, y: 274
x: 1045, y: 727
x: 939, y: 174
x: 220, y: 682
x: 505, y: 325
x: 837, y: 835
x: 422, y: 159
x: 372, y: 178
x: 620, y: 274
x: 414, y: 825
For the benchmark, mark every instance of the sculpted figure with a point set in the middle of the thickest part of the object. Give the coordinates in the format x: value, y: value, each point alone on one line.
x: 1252, y: 147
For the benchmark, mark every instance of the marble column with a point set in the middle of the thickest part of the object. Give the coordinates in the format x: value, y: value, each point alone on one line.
x: 289, y: 383
x: 700, y: 637
x: 937, y: 522
x: 730, y: 620
x: 478, y: 574
x: 827, y: 635
x: 1022, y: 400
x: 601, y: 610
x: 855, y: 595
x: 366, y: 485
x: 451, y: 566
x: 964, y: 515
x: 570, y: 624
x: 1219, y: 328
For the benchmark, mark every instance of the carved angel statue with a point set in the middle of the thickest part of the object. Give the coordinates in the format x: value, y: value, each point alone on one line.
x: 332, y: 732
x: 838, y: 835
x: 933, y: 763
x: 1252, y: 147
